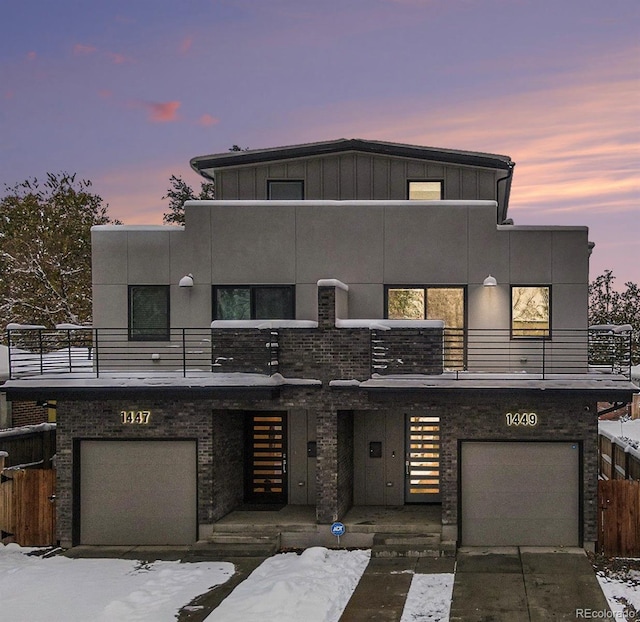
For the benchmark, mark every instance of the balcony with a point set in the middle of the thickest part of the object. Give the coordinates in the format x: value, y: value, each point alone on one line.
x: 377, y: 352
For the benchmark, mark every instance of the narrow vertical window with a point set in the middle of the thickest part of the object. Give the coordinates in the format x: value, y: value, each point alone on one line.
x: 148, y: 312
x: 530, y: 311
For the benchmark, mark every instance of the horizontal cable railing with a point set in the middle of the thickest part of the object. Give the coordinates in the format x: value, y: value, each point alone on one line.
x: 95, y: 352
x: 99, y: 351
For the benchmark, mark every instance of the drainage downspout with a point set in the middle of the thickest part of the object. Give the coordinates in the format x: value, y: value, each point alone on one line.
x: 507, y: 191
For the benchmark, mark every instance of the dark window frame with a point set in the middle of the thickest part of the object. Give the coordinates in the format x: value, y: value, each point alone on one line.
x: 135, y: 334
x: 286, y: 181
x: 424, y: 287
x: 411, y: 181
x: 546, y: 337
x: 252, y: 298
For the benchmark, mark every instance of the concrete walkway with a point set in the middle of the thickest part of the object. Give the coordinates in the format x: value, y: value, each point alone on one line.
x: 491, y: 585
x: 525, y: 584
x: 383, y: 588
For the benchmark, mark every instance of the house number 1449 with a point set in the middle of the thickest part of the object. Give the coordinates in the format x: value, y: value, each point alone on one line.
x: 528, y: 419
x: 140, y: 417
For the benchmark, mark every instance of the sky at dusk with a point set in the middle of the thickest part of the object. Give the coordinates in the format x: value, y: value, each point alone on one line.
x: 124, y: 93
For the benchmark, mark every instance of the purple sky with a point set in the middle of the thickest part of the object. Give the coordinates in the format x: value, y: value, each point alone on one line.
x: 124, y: 92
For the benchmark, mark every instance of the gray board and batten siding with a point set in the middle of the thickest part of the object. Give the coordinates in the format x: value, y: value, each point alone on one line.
x: 354, y: 169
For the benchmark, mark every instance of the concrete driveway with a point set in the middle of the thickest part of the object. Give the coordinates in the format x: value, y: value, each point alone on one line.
x: 525, y: 584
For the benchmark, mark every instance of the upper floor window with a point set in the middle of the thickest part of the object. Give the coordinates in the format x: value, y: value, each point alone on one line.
x: 433, y: 303
x: 530, y: 311
x: 254, y: 302
x: 148, y: 312
x: 425, y: 190
x: 427, y: 303
x: 285, y: 190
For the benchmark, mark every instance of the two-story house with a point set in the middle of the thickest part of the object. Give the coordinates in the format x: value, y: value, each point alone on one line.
x: 349, y: 324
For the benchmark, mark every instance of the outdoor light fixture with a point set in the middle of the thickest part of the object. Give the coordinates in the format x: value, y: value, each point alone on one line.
x: 490, y: 281
x: 186, y: 281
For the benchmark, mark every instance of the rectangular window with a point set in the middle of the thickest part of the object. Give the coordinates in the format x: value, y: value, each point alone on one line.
x: 425, y: 190
x: 427, y: 303
x: 286, y: 190
x: 254, y: 302
x: 148, y: 312
x: 433, y: 303
x: 531, y: 311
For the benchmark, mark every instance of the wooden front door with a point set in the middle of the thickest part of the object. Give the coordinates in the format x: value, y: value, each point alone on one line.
x: 422, y: 460
x: 266, y: 458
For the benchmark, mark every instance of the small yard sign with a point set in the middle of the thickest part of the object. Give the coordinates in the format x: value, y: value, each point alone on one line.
x: 338, y: 529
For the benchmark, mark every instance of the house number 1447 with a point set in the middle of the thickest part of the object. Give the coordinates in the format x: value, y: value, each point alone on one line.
x: 528, y: 419
x: 140, y: 417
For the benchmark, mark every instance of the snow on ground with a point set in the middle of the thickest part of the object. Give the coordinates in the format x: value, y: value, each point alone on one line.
x: 620, y: 583
x: 313, y: 587
x: 429, y: 598
x: 59, y: 589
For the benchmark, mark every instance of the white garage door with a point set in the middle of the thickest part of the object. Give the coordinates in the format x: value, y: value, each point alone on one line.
x: 517, y: 493
x: 138, y: 492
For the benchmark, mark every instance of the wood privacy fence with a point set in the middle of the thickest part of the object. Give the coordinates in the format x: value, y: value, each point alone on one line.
x: 619, y: 517
x: 29, y: 445
x: 27, y: 506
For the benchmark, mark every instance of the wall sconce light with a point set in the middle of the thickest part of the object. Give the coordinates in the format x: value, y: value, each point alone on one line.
x: 490, y: 281
x: 186, y: 281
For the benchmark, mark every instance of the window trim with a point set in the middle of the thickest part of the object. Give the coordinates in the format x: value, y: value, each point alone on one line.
x: 411, y: 181
x: 252, y: 298
x: 546, y: 337
x: 166, y: 334
x: 296, y: 181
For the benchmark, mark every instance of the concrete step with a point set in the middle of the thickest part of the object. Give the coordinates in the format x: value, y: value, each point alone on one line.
x: 407, y: 545
x: 225, y: 545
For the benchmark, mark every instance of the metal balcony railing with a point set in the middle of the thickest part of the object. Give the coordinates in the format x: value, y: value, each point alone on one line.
x: 98, y: 352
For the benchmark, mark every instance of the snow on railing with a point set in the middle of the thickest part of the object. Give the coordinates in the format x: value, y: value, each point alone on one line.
x: 392, y: 347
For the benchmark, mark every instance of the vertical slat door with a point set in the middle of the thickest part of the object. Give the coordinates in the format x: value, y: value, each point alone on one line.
x: 422, y: 459
x: 266, y: 465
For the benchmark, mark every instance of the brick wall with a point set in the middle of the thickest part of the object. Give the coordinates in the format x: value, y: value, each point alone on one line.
x: 484, y: 419
x: 97, y: 419
x: 345, y: 462
x: 28, y: 413
x: 227, y: 479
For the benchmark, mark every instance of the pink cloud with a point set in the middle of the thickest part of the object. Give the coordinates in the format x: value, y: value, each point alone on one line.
x: 117, y: 59
x: 31, y: 55
x: 80, y: 49
x: 105, y: 93
x: 9, y: 95
x: 162, y: 112
x: 186, y: 44
x: 207, y: 120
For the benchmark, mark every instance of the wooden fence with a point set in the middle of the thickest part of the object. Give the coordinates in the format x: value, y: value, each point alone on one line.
x: 619, y: 517
x: 29, y: 445
x: 27, y: 506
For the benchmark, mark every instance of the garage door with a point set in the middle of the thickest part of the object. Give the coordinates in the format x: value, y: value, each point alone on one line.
x: 523, y: 494
x: 138, y: 492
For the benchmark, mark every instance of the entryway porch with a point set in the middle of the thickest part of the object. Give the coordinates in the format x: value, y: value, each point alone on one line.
x: 389, y: 529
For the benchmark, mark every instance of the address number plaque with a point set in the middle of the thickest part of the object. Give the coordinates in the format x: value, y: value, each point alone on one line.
x: 522, y: 419
x: 135, y: 417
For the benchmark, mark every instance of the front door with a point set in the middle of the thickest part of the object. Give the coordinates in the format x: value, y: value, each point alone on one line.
x: 422, y: 459
x: 266, y: 457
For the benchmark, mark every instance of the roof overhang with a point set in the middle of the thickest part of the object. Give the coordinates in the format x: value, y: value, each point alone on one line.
x: 206, y: 165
